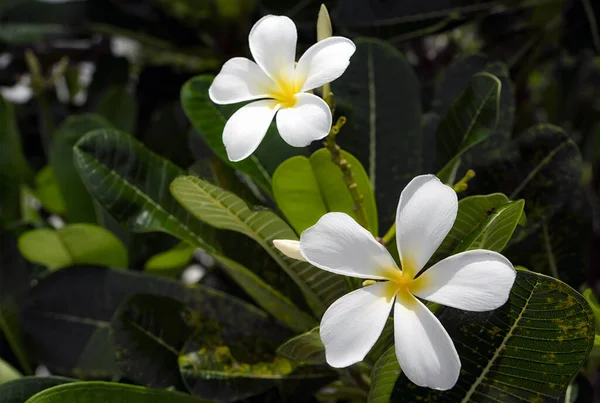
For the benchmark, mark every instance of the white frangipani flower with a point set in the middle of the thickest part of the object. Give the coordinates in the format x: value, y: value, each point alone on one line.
x: 475, y: 280
x: 280, y: 86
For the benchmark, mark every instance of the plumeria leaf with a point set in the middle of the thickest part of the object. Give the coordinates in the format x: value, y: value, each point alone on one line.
x: 74, y: 244
x: 8, y: 372
x: 172, y: 261
x: 68, y: 314
x: 471, y: 119
x: 224, y: 210
x: 216, y: 364
x: 132, y: 183
x: 472, y: 212
x: 306, y: 347
x: 48, y: 192
x: 19, y: 390
x: 14, y: 169
x: 383, y: 129
x: 79, y: 203
x: 518, y: 356
x: 497, y: 229
x: 306, y: 188
x: 105, y: 392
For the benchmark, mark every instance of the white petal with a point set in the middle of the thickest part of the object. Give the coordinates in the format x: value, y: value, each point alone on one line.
x: 308, y: 120
x: 338, y: 244
x: 273, y: 46
x: 289, y: 248
x: 475, y: 280
x: 246, y: 128
x: 353, y: 323
x: 324, y: 61
x: 426, y: 213
x: 423, y: 347
x: 240, y: 80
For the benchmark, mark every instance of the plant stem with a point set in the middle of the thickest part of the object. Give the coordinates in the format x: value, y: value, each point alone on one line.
x: 462, y: 184
x: 347, y: 175
x: 387, y: 238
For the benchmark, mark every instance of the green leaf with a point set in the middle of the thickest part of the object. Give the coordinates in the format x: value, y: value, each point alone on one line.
x: 528, y: 350
x: 335, y: 192
x: 8, y: 372
x: 589, y: 296
x: 215, y: 368
x: 149, y: 331
x: 132, y: 183
x: 470, y: 120
x: 172, y: 260
x: 14, y: 169
x: 209, y: 121
x: 21, y: 389
x: 67, y: 315
x: 224, y: 210
x: 307, y: 348
x: 380, y: 95
x: 118, y: 106
x: 297, y: 194
x: 495, y: 232
x: 23, y: 33
x: 472, y: 211
x: 108, y: 392
x: 48, y: 192
x: 79, y: 203
x: 384, y: 374
x: 72, y: 245
x: 305, y: 189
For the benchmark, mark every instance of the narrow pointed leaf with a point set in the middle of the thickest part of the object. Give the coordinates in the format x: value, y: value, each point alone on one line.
x: 470, y: 120
x: 224, y: 210
x: 306, y: 347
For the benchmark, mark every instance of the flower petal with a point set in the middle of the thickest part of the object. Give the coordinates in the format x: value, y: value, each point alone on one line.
x: 239, y: 80
x: 324, y: 62
x: 273, y: 46
x: 246, y: 128
x: 426, y: 212
x: 475, y: 280
x: 423, y: 347
x: 289, y: 248
x: 337, y: 243
x: 353, y: 323
x: 308, y: 120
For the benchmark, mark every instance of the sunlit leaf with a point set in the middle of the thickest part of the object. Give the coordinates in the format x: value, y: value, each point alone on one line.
x: 48, y: 192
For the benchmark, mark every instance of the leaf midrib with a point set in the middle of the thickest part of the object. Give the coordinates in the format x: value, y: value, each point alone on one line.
x: 491, y: 362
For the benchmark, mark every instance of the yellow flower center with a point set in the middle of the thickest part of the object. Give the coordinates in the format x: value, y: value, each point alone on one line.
x: 402, y: 283
x: 285, y: 93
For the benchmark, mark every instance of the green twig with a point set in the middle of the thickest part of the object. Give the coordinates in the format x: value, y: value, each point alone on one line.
x: 463, y: 184
x: 387, y: 238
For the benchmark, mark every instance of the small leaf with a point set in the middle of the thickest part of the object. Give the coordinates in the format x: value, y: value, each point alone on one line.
x: 224, y: 210
x: 383, y: 377
x: 79, y: 203
x: 21, y: 389
x: 495, y: 232
x: 470, y: 120
x: 108, y: 392
x: 175, y: 258
x: 48, y: 192
x: 72, y: 245
x: 8, y: 373
x: 307, y: 348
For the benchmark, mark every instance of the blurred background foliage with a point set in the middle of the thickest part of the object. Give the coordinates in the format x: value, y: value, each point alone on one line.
x: 122, y: 63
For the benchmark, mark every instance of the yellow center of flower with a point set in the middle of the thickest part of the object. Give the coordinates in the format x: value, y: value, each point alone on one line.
x: 402, y: 283
x: 285, y: 93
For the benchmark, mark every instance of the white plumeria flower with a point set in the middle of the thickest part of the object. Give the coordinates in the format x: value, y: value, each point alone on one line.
x: 475, y: 280
x: 280, y: 85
